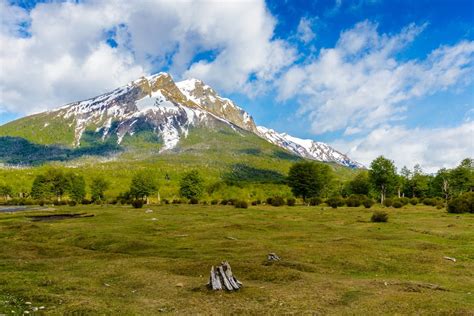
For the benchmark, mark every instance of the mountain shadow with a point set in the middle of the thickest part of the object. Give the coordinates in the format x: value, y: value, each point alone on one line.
x: 19, y: 151
x: 241, y: 173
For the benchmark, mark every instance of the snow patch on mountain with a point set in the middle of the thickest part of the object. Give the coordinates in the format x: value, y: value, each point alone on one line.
x: 306, y: 148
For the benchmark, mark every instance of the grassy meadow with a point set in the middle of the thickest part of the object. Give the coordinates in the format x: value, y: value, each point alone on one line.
x: 334, y: 261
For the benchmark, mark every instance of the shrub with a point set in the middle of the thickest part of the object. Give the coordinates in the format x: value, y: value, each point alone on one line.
x: 439, y: 206
x: 368, y: 203
x: 56, y: 203
x: 315, y: 201
x: 177, y: 201
x: 241, y: 204
x: 333, y: 202
x: 354, y: 201
x: 165, y: 201
x: 214, y: 202
x: 379, y: 217
x: 204, y: 202
x: 278, y: 201
x: 269, y: 201
x: 291, y: 201
x: 85, y: 202
x: 113, y: 201
x: 72, y: 203
x: 414, y: 201
x: 462, y: 204
x: 231, y: 201
x: 404, y: 200
x: 138, y: 203
x: 224, y: 202
x: 388, y: 202
x: 429, y: 202
x: 397, y: 204
x: 193, y: 200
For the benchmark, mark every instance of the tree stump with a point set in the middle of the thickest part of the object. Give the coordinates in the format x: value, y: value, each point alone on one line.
x: 221, y: 278
x: 273, y: 257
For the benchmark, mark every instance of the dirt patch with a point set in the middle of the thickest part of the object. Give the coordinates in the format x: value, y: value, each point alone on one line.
x: 57, y: 217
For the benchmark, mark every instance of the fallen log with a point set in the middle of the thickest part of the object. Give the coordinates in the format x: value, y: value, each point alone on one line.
x: 221, y: 278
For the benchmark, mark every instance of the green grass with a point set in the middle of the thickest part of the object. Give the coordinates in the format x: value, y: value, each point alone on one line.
x: 334, y: 261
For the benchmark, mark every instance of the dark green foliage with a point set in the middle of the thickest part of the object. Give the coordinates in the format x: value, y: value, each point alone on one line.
x: 379, y: 217
x: 17, y: 150
x: 256, y: 202
x: 413, y: 201
x: 291, y: 201
x: 138, y: 203
x: 85, y: 202
x: 224, y: 202
x: 429, y: 201
x: 397, y: 204
x: 98, y: 187
x: 143, y: 185
x: 269, y: 200
x: 191, y: 185
x: 241, y: 204
x: 315, y: 201
x: 193, y: 200
x: 231, y: 201
x: 355, y: 200
x: 368, y: 203
x: 462, y: 204
x: 388, y: 202
x: 360, y: 185
x: 214, y: 202
x: 165, y: 201
x: 177, y: 201
x: 278, y: 201
x: 334, y: 202
x: 382, y: 175
x: 54, y: 183
x: 309, y: 179
x: 72, y: 203
x: 242, y: 174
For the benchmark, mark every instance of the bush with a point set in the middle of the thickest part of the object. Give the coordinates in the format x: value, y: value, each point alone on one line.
x: 334, y: 202
x: 429, y: 202
x: 231, y: 201
x: 138, y: 203
x: 85, y: 202
x: 388, y: 202
x: 113, y: 201
x: 414, y: 201
x: 379, y: 217
x: 241, y: 204
x: 214, y: 202
x: 368, y: 203
x: 193, y: 200
x: 56, y: 203
x: 462, y: 204
x: 72, y: 203
x: 278, y: 201
x: 165, y: 201
x: 354, y: 201
x: 291, y: 201
x: 439, y: 206
x: 397, y: 204
x: 269, y: 201
x: 404, y: 200
x: 315, y: 201
x: 177, y: 201
x: 224, y: 202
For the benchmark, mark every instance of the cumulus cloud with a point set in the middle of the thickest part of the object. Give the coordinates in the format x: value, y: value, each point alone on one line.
x: 61, y: 52
x: 432, y: 148
x: 359, y: 84
x: 304, y: 31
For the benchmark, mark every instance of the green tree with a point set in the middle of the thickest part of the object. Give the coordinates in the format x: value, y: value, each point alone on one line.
x: 309, y: 179
x: 382, y: 175
x: 77, y: 187
x: 462, y: 177
x: 98, y: 187
x: 143, y: 185
x: 53, y: 183
x: 6, y: 191
x: 191, y: 185
x: 360, y: 184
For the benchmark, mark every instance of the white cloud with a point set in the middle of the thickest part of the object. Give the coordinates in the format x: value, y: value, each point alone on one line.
x: 359, y: 84
x: 432, y: 148
x: 304, y: 31
x: 64, y: 56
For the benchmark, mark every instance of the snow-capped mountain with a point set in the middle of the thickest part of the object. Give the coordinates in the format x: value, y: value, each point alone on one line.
x: 170, y: 110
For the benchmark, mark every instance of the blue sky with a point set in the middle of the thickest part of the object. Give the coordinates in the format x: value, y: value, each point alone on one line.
x: 367, y: 76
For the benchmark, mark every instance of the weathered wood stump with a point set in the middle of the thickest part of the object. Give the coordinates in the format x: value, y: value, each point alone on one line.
x: 221, y: 278
x: 273, y: 257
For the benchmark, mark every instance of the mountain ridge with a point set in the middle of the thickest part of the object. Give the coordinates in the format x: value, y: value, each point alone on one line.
x: 169, y: 109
